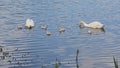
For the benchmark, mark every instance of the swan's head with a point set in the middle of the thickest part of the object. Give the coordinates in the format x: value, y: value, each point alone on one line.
x: 81, y: 23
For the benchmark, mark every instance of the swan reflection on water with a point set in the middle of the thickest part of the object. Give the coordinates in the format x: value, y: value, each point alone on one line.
x: 97, y: 30
x: 92, y: 30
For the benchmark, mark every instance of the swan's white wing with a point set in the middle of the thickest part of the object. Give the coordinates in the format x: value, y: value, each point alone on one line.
x: 27, y: 22
x: 96, y: 24
x: 32, y: 22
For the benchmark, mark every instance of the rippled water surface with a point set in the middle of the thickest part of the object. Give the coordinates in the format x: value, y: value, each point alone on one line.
x: 34, y: 49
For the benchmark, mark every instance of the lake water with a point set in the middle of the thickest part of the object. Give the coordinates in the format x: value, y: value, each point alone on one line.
x: 34, y: 49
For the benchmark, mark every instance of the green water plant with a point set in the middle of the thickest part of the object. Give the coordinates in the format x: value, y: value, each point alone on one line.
x: 56, y: 65
x: 115, y: 62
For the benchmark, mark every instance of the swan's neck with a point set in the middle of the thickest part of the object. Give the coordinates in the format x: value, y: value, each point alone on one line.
x: 85, y: 24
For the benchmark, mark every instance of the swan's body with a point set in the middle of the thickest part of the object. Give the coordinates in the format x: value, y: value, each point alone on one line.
x: 48, y: 33
x: 61, y: 30
x: 29, y: 23
x: 20, y: 26
x: 95, y: 24
x: 44, y: 27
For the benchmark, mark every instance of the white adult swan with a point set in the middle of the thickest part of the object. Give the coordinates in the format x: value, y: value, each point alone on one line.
x: 29, y: 23
x: 95, y: 24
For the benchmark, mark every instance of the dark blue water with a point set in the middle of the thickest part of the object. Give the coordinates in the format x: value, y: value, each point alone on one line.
x: 34, y: 49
